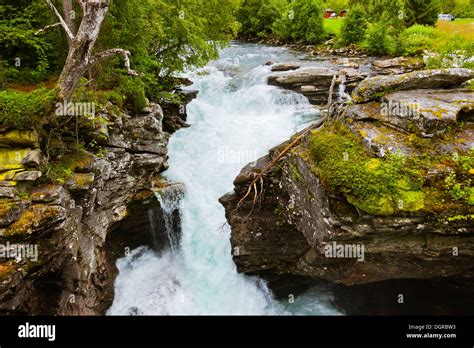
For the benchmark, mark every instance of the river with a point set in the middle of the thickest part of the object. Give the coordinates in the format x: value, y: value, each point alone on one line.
x: 235, y: 119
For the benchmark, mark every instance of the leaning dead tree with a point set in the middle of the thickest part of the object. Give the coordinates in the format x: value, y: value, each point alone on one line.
x: 81, y: 57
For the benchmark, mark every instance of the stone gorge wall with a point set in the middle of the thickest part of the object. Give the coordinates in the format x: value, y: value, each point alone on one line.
x: 80, y: 226
x: 420, y: 233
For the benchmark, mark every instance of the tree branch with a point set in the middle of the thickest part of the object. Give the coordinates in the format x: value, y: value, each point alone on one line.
x: 61, y: 20
x: 47, y: 27
x: 98, y: 57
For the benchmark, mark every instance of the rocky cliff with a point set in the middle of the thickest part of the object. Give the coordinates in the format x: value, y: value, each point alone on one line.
x: 381, y: 191
x: 74, y: 211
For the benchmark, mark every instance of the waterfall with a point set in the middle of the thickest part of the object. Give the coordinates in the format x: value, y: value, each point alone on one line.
x: 235, y: 119
x: 170, y: 201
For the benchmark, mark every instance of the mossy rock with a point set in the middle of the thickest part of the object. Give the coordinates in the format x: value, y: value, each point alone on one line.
x: 378, y: 186
x: 11, y: 159
x: 18, y: 138
x: 34, y: 218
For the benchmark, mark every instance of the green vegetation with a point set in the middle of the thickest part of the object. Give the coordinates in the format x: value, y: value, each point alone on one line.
x: 21, y: 110
x: 393, y: 184
x: 381, y: 27
x: 302, y: 22
x: 376, y: 186
x: 354, y: 27
x: 424, y: 12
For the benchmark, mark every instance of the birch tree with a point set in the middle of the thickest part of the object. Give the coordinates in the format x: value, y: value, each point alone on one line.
x: 81, y: 56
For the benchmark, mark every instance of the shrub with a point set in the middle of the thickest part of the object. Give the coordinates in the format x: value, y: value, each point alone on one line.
x: 134, y: 91
x: 19, y: 110
x: 378, y: 41
x: 257, y: 16
x: 354, y: 27
x: 303, y: 22
x: 424, y: 12
x: 455, y: 53
x: 416, y: 39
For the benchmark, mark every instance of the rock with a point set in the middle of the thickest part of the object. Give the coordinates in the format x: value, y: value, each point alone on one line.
x: 375, y: 87
x: 8, y: 183
x: 7, y: 192
x: 12, y: 159
x: 395, y: 66
x: 16, y: 138
x: 347, y: 63
x: 10, y: 211
x: 9, y: 174
x: 53, y: 194
x: 408, y: 234
x: 302, y: 77
x: 426, y: 111
x: 315, y: 83
x: 80, y: 182
x: 148, y: 162
x: 28, y: 176
x: 285, y: 66
x: 141, y: 133
x: 176, y: 113
x: 36, y: 219
x: 85, y: 224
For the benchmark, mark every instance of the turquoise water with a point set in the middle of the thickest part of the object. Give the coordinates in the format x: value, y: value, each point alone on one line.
x: 236, y: 119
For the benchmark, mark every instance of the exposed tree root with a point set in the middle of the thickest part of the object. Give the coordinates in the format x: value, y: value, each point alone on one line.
x: 259, y: 177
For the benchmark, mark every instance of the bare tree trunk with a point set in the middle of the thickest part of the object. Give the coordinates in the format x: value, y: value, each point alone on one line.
x: 80, y: 57
x: 69, y: 18
x: 80, y: 51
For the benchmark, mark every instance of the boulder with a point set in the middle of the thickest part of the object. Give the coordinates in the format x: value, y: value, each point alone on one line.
x: 17, y: 138
x: 32, y: 175
x: 375, y: 87
x: 11, y: 159
x: 302, y: 77
x: 400, y: 65
x: 425, y: 112
x: 141, y: 133
x: 285, y: 66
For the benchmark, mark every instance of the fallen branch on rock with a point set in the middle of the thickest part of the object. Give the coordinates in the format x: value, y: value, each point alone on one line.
x: 259, y: 177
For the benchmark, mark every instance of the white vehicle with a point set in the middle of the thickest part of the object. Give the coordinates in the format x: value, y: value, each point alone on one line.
x: 446, y: 17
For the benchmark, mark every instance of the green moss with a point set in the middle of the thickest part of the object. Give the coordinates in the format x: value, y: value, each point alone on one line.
x: 457, y: 218
x: 63, y: 169
x: 296, y: 174
x: 20, y: 110
x: 32, y: 217
x: 376, y: 186
x: 6, y: 206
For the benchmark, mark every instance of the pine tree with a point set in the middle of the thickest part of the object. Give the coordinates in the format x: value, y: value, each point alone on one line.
x: 424, y: 12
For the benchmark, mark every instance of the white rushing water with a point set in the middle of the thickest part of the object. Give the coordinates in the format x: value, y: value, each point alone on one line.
x: 236, y: 119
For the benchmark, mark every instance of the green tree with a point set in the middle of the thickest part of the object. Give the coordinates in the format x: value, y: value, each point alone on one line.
x: 257, y: 16
x: 302, y: 22
x: 378, y: 40
x: 424, y: 12
x: 354, y: 27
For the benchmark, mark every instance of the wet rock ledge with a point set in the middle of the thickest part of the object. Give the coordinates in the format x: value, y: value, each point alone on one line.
x: 378, y: 175
x: 83, y: 216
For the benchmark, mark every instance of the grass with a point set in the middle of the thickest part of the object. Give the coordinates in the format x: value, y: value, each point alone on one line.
x: 333, y: 25
x: 462, y: 27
